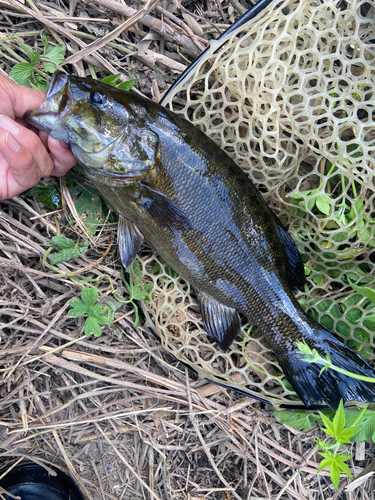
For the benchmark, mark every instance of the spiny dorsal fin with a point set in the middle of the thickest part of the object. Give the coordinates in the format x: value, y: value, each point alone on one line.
x: 221, y: 323
x: 129, y: 240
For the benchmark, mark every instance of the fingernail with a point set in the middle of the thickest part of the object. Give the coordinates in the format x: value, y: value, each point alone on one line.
x: 64, y: 145
x: 12, y: 143
x: 7, y: 124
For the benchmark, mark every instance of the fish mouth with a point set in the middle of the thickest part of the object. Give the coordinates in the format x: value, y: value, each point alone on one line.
x: 58, y: 81
x: 53, y: 107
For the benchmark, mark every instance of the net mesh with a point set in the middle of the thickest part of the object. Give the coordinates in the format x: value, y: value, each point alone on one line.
x: 290, y: 96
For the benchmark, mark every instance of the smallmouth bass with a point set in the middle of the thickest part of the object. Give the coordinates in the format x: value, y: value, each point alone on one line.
x: 174, y: 187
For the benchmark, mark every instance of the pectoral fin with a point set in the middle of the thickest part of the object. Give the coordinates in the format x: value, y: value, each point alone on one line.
x: 221, y: 323
x: 164, y: 211
x: 129, y: 240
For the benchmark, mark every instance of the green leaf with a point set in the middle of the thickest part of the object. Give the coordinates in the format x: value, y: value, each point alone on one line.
x: 297, y: 420
x: 334, y: 472
x: 97, y: 314
x: 49, y: 195
x: 148, y: 287
x: 323, y: 204
x: 21, y: 71
x: 78, y: 308
x: 335, y: 462
x: 92, y: 326
x: 156, y: 268
x: 61, y: 242
x: 338, y: 421
x: 324, y: 463
x: 367, y: 430
x: 127, y: 85
x: 111, y: 79
x: 38, y: 82
x: 65, y: 255
x: 44, y: 39
x: 329, y: 425
x: 55, y: 53
x: 100, y: 313
x: 137, y: 269
x: 354, y: 315
x: 364, y: 291
x: 345, y: 435
x: 27, y: 49
x: 69, y: 250
x: 369, y: 321
x: 89, y: 296
x: 137, y: 293
x: 343, y: 467
x: 355, y: 209
x: 89, y: 203
x: 354, y: 416
x: 49, y: 67
x: 35, y: 58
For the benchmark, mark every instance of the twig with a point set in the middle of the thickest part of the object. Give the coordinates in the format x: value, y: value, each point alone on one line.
x: 94, y: 46
x: 121, y: 457
x: 165, y: 30
x: 200, y: 437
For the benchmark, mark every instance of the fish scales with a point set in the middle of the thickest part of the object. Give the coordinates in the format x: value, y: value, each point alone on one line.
x: 175, y: 188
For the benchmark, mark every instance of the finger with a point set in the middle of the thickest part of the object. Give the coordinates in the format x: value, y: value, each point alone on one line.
x: 62, y: 156
x: 18, y: 99
x: 31, y: 150
x: 18, y: 170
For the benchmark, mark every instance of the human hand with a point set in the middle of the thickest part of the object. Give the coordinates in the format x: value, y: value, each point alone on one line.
x: 26, y: 155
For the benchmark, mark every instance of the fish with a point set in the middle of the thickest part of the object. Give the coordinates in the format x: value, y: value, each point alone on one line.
x: 173, y: 187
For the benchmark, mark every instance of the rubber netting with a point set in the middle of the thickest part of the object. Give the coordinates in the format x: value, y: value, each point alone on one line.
x: 290, y: 96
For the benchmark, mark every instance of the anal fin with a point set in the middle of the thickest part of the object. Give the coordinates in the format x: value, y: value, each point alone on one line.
x: 129, y: 240
x: 222, y: 323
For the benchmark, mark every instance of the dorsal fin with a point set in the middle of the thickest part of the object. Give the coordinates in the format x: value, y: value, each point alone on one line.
x: 295, y: 272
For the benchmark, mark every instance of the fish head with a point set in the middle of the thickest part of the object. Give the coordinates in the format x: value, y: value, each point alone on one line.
x: 103, y: 125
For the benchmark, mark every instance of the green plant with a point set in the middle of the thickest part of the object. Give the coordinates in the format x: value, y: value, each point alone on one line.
x: 30, y: 74
x: 47, y: 193
x: 97, y: 314
x: 343, y: 427
x: 68, y: 250
x: 112, y: 79
x: 312, y: 356
x: 137, y: 290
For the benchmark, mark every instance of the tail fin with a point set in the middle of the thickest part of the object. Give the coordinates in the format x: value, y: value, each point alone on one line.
x: 329, y: 387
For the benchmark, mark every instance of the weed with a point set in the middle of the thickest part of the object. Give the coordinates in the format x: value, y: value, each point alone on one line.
x: 344, y: 427
x: 31, y: 74
x: 97, y: 314
x: 137, y: 290
x: 68, y: 250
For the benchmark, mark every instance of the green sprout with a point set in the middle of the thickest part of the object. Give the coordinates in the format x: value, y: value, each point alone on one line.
x: 312, y: 356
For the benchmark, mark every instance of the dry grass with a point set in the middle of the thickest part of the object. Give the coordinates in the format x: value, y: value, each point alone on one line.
x: 117, y: 412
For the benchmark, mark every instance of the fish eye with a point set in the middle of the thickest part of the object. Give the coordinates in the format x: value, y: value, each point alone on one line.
x: 96, y: 98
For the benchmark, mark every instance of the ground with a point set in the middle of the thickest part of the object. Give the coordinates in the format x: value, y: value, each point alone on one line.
x: 117, y: 412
